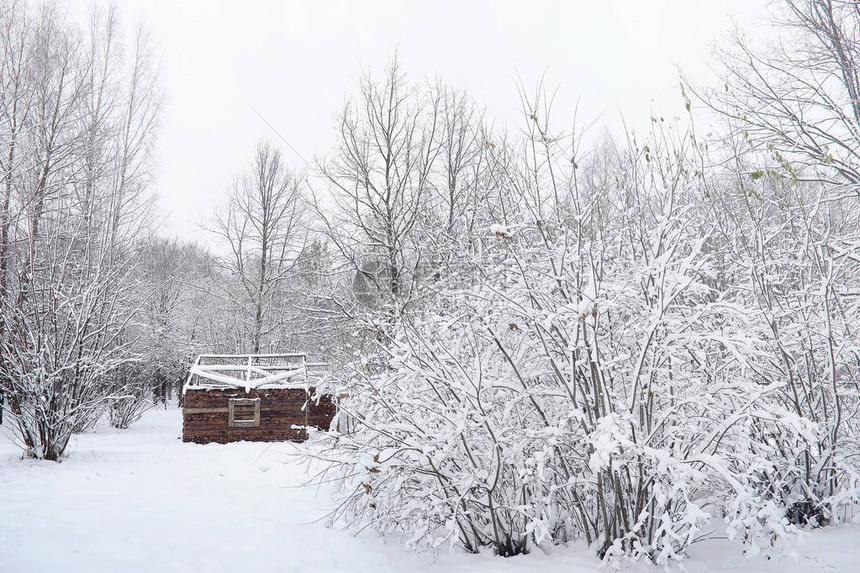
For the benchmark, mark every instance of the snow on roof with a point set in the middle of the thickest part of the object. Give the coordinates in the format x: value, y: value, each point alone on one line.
x: 252, y: 371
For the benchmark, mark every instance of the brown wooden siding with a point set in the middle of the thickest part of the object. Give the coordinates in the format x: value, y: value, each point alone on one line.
x: 205, y: 417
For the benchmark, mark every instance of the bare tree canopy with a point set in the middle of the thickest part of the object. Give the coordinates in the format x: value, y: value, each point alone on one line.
x: 261, y: 227
x: 798, y: 100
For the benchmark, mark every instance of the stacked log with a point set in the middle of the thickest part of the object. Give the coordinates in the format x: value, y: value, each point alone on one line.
x: 284, y: 413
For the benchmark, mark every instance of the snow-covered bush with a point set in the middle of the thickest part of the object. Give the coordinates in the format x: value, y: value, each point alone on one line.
x: 622, y: 346
x: 79, y: 117
x: 793, y: 257
x: 131, y: 396
x: 793, y: 130
x: 601, y: 378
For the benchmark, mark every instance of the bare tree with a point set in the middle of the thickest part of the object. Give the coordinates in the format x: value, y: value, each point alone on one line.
x: 379, y: 182
x: 260, y: 226
x: 464, y: 192
x: 16, y: 41
x: 798, y: 101
x: 167, y: 333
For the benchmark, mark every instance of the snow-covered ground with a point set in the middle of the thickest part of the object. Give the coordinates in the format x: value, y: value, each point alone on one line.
x: 140, y: 500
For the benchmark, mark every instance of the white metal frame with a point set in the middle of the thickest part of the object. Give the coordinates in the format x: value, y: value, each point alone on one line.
x: 249, y: 371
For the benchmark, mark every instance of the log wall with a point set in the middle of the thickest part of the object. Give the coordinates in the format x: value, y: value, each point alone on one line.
x: 205, y: 416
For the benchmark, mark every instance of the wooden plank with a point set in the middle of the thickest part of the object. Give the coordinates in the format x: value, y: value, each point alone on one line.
x: 233, y: 435
x: 205, y: 410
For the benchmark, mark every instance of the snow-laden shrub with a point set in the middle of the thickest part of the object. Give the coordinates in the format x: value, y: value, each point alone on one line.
x: 541, y: 407
x: 791, y: 250
x: 638, y: 350
x: 132, y: 395
x: 70, y: 227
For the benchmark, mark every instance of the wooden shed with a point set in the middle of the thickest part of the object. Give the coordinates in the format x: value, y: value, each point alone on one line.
x: 253, y: 397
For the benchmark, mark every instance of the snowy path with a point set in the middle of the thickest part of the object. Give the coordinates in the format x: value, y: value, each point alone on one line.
x: 142, y: 501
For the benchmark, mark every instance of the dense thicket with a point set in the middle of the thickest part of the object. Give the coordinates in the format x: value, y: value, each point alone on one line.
x: 620, y: 346
x: 604, y: 366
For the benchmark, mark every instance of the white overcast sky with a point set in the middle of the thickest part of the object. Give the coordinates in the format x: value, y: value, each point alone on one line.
x: 296, y: 62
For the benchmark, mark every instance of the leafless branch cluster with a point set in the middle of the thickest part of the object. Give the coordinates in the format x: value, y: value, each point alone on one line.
x: 77, y: 113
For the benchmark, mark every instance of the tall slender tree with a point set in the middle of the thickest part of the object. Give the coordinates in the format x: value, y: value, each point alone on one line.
x: 260, y: 226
